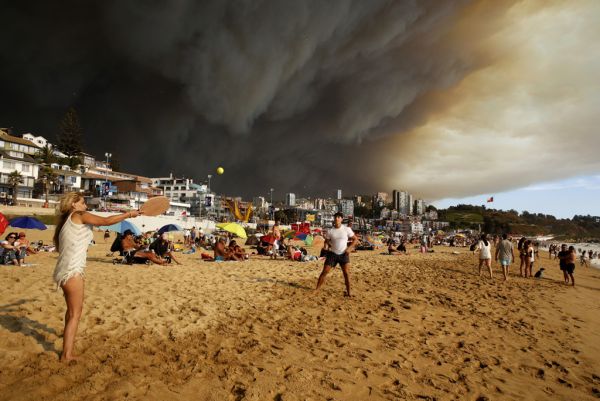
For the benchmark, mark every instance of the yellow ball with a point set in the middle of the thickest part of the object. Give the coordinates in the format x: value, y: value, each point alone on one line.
x: 220, y: 170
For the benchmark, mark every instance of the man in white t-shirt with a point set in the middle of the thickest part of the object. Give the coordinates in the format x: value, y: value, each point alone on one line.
x: 338, y: 250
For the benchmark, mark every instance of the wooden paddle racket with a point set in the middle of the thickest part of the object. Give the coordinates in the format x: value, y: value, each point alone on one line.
x: 155, y: 206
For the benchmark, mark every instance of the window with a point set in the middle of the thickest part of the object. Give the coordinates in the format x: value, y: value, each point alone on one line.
x: 15, y: 154
x: 9, y: 165
x: 25, y: 168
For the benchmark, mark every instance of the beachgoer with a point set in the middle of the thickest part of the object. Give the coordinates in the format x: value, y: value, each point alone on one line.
x: 522, y: 256
x: 106, y: 235
x: 402, y: 246
x: 10, y: 250
x: 136, y: 249
x: 582, y: 260
x: 24, y: 248
x: 563, y: 257
x: 529, y: 258
x: 392, y: 247
x: 570, y: 266
x: 277, y: 235
x: 220, y: 250
x: 506, y: 255
x: 162, y: 248
x: 339, y: 251
x: 71, y: 238
x: 485, y: 254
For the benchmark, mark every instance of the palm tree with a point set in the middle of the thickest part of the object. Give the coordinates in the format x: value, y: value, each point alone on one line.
x: 45, y: 155
x: 48, y: 177
x: 14, y: 179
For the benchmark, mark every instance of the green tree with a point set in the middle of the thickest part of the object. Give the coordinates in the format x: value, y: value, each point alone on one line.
x: 14, y: 179
x: 70, y: 136
x: 45, y: 156
x: 48, y: 178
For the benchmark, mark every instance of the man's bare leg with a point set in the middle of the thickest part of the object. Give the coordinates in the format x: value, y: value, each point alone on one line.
x: 346, y: 272
x: 321, y: 280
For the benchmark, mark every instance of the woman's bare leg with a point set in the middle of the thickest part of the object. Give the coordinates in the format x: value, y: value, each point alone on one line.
x: 73, y: 291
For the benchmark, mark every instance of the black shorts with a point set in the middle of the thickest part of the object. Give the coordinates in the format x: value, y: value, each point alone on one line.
x: 333, y: 259
x: 570, y: 268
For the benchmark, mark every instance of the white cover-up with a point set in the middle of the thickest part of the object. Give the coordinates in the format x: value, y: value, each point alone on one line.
x: 74, y: 240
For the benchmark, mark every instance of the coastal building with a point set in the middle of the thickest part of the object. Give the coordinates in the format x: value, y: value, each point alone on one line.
x: 346, y: 206
x: 39, y: 141
x: 402, y: 202
x: 339, y: 194
x: 290, y: 199
x: 184, y: 191
x: 419, y: 207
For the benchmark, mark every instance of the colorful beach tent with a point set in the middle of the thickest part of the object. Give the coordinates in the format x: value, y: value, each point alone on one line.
x: 121, y: 227
x: 27, y: 222
x: 233, y: 228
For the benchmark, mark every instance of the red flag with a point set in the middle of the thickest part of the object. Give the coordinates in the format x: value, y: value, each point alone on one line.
x: 490, y: 199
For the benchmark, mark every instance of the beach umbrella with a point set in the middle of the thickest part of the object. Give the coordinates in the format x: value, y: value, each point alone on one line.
x: 169, y: 227
x: 3, y: 223
x: 301, y: 236
x: 27, y: 222
x: 122, y: 226
x: 233, y: 228
x: 289, y: 234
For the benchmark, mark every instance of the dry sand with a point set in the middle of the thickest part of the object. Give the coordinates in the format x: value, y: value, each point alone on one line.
x: 419, y: 327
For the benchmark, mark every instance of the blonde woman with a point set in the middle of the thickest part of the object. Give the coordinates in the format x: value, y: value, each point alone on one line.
x: 72, y: 237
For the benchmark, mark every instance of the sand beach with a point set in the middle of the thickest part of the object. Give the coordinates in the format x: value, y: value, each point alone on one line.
x: 419, y: 327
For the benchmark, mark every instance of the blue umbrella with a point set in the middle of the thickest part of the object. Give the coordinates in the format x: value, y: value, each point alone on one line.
x: 169, y: 227
x: 122, y: 226
x: 27, y: 222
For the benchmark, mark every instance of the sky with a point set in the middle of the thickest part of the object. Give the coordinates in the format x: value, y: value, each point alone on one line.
x: 448, y: 100
x: 562, y: 199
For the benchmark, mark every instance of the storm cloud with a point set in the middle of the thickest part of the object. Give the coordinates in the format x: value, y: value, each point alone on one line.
x: 444, y: 99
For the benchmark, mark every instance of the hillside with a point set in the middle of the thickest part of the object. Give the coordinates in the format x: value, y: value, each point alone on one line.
x: 494, y: 221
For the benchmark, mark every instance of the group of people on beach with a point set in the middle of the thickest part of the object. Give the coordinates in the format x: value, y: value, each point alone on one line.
x: 528, y: 254
x: 15, y: 248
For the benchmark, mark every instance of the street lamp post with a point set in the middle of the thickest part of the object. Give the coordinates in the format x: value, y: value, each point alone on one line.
x: 108, y: 156
x: 209, y: 177
x: 272, y: 208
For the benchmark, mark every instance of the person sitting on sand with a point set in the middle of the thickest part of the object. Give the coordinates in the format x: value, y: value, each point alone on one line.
x: 25, y: 248
x: 162, y: 248
x: 402, y: 247
x: 10, y: 250
x: 129, y: 245
x: 221, y: 252
x: 392, y: 247
x: 236, y: 252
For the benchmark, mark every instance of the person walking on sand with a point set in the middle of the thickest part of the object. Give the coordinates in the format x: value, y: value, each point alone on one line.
x: 504, y: 252
x: 563, y: 257
x: 522, y: 255
x: 570, y: 266
x: 529, y: 258
x: 71, y: 238
x: 339, y: 251
x: 485, y: 254
x: 277, y: 242
x: 582, y: 260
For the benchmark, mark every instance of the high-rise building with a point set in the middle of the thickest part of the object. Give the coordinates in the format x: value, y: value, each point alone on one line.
x: 401, y: 201
x: 339, y: 194
x: 290, y: 199
x: 346, y: 207
x: 419, y: 207
x: 410, y: 204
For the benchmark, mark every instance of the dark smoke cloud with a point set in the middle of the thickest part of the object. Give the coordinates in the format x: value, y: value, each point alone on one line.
x: 304, y: 96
